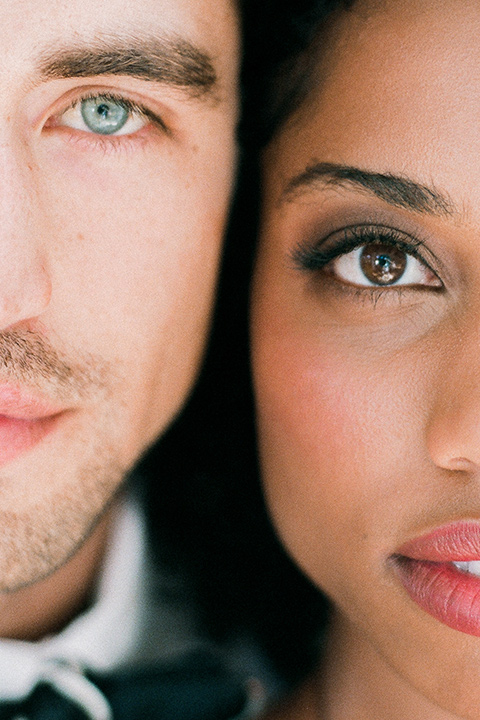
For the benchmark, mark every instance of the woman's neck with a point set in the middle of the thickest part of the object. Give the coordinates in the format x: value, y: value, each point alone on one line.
x: 355, y: 682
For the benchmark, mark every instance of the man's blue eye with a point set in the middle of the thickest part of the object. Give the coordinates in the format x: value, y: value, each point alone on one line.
x: 103, y: 115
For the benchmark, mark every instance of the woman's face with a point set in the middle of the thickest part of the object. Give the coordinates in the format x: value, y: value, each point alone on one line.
x: 366, y: 346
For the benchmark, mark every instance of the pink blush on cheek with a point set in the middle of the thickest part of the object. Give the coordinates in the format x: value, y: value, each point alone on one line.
x: 315, y: 431
x: 306, y: 421
x: 310, y: 396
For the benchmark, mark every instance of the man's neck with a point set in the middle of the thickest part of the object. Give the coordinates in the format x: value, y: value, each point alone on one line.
x: 48, y: 605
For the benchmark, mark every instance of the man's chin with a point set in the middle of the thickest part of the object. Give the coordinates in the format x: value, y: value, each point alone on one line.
x: 37, y: 600
x: 44, y: 529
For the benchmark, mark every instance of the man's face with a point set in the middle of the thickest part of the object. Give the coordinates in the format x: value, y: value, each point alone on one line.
x: 117, y: 154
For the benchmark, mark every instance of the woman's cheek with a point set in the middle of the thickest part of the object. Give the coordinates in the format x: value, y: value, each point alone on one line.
x: 308, y: 419
x: 330, y: 428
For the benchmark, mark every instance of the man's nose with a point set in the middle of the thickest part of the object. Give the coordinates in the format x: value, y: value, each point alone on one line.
x: 25, y: 282
x: 453, y: 431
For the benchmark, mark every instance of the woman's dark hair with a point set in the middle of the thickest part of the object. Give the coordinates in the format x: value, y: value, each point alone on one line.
x: 205, y: 507
x: 277, y: 36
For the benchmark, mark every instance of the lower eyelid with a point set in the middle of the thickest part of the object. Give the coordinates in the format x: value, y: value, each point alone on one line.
x: 371, y: 296
x: 107, y: 144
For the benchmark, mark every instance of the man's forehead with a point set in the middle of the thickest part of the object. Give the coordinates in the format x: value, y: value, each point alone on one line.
x: 180, y: 42
x: 195, y: 18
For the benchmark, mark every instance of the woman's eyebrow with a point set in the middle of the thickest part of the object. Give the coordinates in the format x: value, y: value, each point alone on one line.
x: 393, y: 189
x: 169, y: 60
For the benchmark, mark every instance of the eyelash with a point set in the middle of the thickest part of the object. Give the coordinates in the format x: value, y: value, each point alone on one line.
x: 314, y: 257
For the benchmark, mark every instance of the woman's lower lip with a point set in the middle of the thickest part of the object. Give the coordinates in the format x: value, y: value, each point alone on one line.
x: 442, y: 590
x: 17, y: 436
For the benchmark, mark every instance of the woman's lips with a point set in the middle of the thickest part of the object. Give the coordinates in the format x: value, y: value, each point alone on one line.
x: 25, y: 419
x: 456, y: 541
x: 426, y: 569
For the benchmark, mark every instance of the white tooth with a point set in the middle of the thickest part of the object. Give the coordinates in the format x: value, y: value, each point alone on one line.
x: 474, y: 567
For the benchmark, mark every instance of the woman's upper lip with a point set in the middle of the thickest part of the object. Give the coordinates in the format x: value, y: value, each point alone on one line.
x: 21, y: 403
x: 454, y: 542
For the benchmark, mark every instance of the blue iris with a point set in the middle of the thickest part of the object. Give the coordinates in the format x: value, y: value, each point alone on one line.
x: 104, y: 115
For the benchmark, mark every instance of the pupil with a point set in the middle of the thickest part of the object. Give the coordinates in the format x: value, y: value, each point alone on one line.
x: 103, y: 111
x: 382, y: 264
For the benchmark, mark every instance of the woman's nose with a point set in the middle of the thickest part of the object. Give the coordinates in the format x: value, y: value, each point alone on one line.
x: 25, y: 283
x: 453, y: 430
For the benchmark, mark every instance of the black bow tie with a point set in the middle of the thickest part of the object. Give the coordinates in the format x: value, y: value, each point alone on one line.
x: 197, y: 687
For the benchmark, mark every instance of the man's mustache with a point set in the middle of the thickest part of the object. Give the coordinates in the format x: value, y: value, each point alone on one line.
x: 29, y: 358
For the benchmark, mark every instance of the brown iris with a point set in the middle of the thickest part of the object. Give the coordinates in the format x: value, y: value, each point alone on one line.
x: 383, y: 264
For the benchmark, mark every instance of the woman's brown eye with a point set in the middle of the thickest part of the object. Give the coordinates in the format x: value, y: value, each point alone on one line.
x: 379, y: 264
x: 383, y: 264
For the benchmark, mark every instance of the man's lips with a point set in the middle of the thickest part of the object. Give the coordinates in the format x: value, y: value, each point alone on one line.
x: 23, y: 404
x: 25, y: 419
x: 427, y: 570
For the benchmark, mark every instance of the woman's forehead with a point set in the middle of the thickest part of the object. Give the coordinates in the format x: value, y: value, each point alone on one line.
x: 395, y: 88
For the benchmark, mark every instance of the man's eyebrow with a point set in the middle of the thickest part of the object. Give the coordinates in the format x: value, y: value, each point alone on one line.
x: 167, y: 59
x: 393, y: 189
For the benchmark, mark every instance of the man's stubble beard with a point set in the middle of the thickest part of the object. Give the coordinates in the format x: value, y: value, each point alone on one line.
x: 45, y: 519
x: 37, y: 541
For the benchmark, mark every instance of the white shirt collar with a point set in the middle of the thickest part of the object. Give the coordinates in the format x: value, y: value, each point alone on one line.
x: 103, y: 636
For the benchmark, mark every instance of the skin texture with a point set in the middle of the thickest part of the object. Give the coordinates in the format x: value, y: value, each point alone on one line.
x: 369, y: 398
x: 108, y: 256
